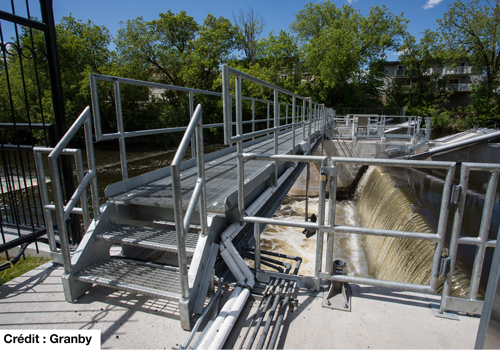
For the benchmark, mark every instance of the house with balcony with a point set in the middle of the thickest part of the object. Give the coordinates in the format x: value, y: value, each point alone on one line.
x: 457, y: 79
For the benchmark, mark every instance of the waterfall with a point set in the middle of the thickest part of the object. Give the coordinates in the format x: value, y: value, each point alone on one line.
x: 382, y: 204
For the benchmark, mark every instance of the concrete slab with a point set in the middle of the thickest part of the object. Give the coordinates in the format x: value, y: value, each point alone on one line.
x: 380, y: 318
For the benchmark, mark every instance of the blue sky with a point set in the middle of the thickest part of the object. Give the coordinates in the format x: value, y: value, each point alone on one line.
x: 278, y: 14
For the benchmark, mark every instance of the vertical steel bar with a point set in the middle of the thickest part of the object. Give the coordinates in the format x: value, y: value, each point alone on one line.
x: 121, y: 130
x: 239, y: 148
x: 321, y: 220
x: 96, y: 112
x: 331, y: 217
x: 483, y: 234
x: 276, y: 125
x: 293, y: 122
x: 201, y: 172
x: 256, y: 234
x: 309, y: 127
x: 181, y: 239
x: 303, y: 120
x: 94, y: 189
x: 253, y: 117
x: 442, y: 223
x: 191, y: 111
x: 45, y: 200
x: 59, y: 204
x: 227, y: 105
x: 83, y: 197
x: 455, y: 234
x: 268, y: 114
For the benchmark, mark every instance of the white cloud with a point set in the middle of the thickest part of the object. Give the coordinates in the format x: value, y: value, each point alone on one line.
x: 351, y: 1
x: 430, y: 4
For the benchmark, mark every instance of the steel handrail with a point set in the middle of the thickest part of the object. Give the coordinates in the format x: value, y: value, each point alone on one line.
x: 198, y: 196
x: 63, y: 211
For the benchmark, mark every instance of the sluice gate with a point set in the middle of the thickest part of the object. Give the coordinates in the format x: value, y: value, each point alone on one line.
x: 174, y: 223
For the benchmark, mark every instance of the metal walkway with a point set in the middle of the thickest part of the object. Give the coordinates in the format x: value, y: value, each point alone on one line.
x: 221, y: 176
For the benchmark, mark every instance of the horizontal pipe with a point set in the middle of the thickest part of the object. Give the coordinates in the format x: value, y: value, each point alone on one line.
x: 301, y: 224
x: 73, y: 211
x: 282, y: 157
x: 393, y: 162
x: 380, y: 283
x: 47, y: 150
x: 387, y: 233
x: 476, y: 241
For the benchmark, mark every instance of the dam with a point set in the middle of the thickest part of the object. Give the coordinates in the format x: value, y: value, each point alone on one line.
x: 178, y: 235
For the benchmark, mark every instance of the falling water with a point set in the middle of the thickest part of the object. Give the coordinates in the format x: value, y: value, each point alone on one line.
x: 379, y: 203
x: 290, y: 240
x: 382, y: 204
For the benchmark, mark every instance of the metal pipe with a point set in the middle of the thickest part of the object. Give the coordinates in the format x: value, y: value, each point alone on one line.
x: 267, y: 326
x: 203, y: 315
x: 192, y: 204
x: 476, y: 241
x: 94, y: 191
x: 121, y: 129
x: 78, y: 193
x: 250, y: 280
x: 483, y: 234
x: 281, y: 314
x: 455, y: 234
x: 256, y: 234
x: 283, y: 157
x: 331, y: 219
x: 321, y: 221
x: 276, y: 125
x: 68, y: 136
x: 239, y: 149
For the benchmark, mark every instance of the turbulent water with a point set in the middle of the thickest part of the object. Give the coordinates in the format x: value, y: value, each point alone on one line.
x: 379, y: 203
x: 290, y: 240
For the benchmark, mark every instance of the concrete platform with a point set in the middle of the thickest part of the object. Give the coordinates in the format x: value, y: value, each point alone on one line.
x: 380, y: 318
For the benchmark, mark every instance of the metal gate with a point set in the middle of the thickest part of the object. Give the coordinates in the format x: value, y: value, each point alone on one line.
x: 29, y: 69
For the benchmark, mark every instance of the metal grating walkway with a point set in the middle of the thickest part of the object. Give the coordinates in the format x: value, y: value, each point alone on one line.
x: 147, y: 279
x: 146, y: 237
x: 220, y: 174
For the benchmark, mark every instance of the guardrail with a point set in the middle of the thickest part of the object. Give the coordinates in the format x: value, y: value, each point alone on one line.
x: 315, y: 121
x: 62, y: 209
x: 182, y: 222
x: 322, y: 272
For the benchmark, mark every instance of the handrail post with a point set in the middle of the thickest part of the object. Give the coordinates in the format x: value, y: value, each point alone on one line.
x: 293, y: 122
x: 253, y: 117
x: 191, y: 111
x: 276, y: 124
x: 227, y: 105
x: 303, y: 120
x: 121, y: 130
x: 239, y: 149
x: 331, y: 217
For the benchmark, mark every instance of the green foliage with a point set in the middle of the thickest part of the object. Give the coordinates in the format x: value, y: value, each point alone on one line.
x: 472, y: 30
x: 342, y: 50
x: 19, y: 269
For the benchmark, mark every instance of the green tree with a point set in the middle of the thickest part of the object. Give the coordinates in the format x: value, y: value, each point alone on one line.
x: 250, y: 25
x: 472, y: 30
x: 340, y: 46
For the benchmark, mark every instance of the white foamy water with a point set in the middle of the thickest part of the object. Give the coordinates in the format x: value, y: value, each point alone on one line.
x: 290, y: 240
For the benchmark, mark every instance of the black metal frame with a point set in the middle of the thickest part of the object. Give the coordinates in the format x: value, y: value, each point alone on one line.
x: 15, y: 157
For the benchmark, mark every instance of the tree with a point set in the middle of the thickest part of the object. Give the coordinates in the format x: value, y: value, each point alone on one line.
x: 472, y: 30
x: 339, y: 46
x: 250, y: 26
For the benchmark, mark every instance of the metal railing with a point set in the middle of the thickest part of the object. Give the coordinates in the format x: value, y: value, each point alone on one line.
x: 182, y: 222
x: 326, y: 272
x: 62, y: 209
x: 122, y: 135
x: 459, y: 87
x: 457, y: 70
x: 365, y: 126
x: 315, y: 121
x: 471, y: 305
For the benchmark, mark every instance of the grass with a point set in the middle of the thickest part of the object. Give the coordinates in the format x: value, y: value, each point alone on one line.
x: 23, y: 266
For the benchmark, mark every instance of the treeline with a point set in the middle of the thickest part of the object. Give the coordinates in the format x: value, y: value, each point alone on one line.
x: 334, y: 54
